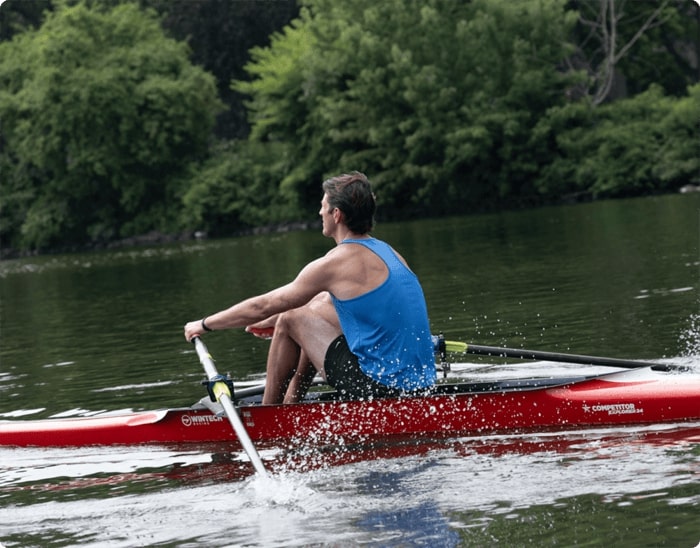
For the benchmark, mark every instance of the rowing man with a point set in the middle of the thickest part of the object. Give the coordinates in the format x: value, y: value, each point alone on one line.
x: 357, y: 315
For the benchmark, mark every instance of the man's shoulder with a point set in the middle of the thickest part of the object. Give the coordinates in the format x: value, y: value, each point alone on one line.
x: 346, y: 250
x: 343, y: 260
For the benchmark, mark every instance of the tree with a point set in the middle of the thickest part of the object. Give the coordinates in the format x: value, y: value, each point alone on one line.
x: 436, y: 101
x: 625, y: 46
x: 235, y: 190
x: 220, y: 33
x: 642, y: 145
x: 18, y: 16
x: 101, y: 113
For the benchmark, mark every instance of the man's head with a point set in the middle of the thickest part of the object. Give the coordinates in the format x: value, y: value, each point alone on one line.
x: 352, y: 194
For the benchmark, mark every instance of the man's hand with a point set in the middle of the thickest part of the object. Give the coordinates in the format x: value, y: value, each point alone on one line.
x: 263, y: 329
x: 194, y: 329
x: 262, y: 332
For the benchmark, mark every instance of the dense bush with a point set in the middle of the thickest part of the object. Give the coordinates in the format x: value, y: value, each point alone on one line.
x: 101, y: 112
x: 237, y: 189
x: 642, y: 145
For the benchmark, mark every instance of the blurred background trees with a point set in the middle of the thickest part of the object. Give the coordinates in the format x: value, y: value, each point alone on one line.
x: 101, y: 112
x: 124, y: 117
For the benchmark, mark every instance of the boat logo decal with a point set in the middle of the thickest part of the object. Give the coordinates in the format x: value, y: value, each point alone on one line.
x: 613, y: 409
x: 200, y: 420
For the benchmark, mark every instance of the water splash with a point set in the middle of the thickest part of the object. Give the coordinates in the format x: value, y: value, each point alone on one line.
x: 285, y: 490
x: 690, y: 338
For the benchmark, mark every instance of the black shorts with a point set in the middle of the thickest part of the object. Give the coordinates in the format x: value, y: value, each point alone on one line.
x: 344, y: 374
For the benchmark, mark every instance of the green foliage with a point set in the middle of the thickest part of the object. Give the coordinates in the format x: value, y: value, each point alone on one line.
x: 101, y: 112
x: 436, y: 103
x: 449, y: 106
x: 625, y: 137
x: 459, y: 106
x: 17, y: 16
x: 642, y: 145
x: 283, y: 84
x: 677, y: 159
x: 237, y: 189
x: 220, y: 33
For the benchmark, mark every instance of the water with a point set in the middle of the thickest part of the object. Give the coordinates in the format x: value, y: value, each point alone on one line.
x: 101, y: 331
x: 624, y: 487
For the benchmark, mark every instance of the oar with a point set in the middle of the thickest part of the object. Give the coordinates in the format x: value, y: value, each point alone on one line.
x: 453, y: 346
x: 456, y: 347
x: 223, y: 395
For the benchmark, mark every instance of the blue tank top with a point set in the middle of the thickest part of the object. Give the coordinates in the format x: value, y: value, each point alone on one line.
x: 387, y: 328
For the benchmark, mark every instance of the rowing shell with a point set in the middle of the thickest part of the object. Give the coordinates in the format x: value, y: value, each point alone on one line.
x: 640, y: 396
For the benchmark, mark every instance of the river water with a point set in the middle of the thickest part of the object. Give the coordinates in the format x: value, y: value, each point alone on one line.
x: 92, y: 332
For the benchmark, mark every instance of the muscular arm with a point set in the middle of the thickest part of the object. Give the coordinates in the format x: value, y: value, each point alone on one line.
x: 312, y: 280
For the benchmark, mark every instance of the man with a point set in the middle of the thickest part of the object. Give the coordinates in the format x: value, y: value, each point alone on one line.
x: 357, y: 314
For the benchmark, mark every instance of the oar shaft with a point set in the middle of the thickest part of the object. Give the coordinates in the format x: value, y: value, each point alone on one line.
x: 224, y: 397
x: 552, y: 356
x: 242, y: 434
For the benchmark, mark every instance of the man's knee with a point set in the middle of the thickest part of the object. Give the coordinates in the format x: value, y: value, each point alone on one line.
x: 289, y: 319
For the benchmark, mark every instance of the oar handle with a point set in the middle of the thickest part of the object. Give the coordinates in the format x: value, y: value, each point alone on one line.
x: 205, y: 358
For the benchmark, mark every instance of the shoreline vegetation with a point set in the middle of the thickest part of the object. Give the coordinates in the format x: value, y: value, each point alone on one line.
x: 130, y: 122
x: 155, y: 237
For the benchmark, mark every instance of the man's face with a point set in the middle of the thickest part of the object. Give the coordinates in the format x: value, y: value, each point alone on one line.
x: 326, y: 213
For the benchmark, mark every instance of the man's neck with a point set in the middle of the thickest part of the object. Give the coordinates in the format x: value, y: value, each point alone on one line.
x: 346, y: 234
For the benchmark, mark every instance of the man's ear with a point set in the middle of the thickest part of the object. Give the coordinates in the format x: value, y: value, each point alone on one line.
x: 338, y: 215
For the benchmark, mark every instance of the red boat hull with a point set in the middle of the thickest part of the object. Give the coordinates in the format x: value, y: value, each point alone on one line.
x: 632, y: 397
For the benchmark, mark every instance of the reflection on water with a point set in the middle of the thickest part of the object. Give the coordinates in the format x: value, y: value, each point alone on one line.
x: 513, y: 490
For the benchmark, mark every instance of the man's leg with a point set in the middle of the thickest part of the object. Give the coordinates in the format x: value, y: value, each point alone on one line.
x: 301, y: 380
x: 306, y: 332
